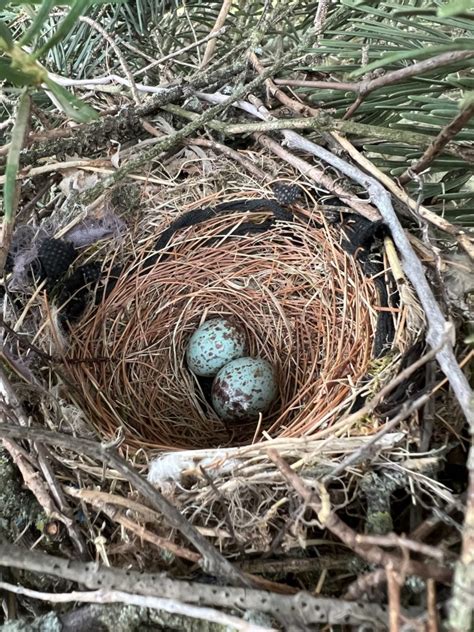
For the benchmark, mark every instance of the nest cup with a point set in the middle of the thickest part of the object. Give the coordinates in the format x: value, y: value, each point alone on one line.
x: 304, y: 304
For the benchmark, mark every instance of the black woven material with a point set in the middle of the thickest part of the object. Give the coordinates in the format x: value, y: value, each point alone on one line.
x: 55, y: 257
x: 75, y: 290
x: 286, y: 193
x: 362, y: 239
x: 200, y: 215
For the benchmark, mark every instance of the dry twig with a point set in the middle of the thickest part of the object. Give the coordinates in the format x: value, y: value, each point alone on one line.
x: 333, y: 523
x: 303, y: 608
x: 221, y: 18
x: 117, y: 596
x: 366, y: 86
x: 439, y: 143
x: 212, y: 560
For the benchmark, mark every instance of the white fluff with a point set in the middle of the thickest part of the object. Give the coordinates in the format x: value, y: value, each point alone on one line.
x: 172, y: 466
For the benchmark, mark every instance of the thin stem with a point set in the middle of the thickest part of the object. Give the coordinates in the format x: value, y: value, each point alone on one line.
x: 439, y: 143
x: 11, y: 187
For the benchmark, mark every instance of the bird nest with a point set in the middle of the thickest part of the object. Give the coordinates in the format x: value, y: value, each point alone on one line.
x: 305, y: 304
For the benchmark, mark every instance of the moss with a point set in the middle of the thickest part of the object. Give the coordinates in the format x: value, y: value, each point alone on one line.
x: 18, y: 506
x: 379, y: 522
x: 49, y: 623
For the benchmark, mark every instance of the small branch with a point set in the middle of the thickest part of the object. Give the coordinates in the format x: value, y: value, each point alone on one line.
x: 232, y: 154
x: 433, y: 218
x: 392, y: 540
x: 320, y: 177
x: 439, y: 143
x: 348, y: 536
x: 370, y: 406
x: 365, y: 87
x: 393, y: 599
x: 362, y: 585
x: 302, y: 608
x: 221, y: 18
x: 436, y: 220
x: 117, y: 596
x: 432, y: 613
x: 185, y: 49
x: 213, y: 562
x: 437, y: 324
x: 105, y: 502
x: 320, y: 17
x: 324, y: 122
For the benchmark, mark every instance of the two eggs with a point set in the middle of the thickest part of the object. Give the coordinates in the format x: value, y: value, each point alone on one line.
x: 243, y: 386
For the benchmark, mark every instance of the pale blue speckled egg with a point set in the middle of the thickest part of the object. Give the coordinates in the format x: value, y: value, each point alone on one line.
x: 214, y: 344
x: 244, y: 388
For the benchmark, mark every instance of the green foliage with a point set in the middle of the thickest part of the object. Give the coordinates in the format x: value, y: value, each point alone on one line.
x: 364, y: 40
x: 21, y: 67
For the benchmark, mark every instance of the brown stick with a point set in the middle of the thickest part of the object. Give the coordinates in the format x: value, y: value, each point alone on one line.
x: 230, y: 153
x: 333, y: 523
x: 212, y: 561
x: 107, y: 503
x: 365, y: 87
x: 439, y: 143
x: 211, y: 44
x: 393, y: 599
x: 320, y: 177
x: 432, y: 622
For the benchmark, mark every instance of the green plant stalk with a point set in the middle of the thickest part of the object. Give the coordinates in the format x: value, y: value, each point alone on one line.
x: 10, y: 188
x: 24, y: 62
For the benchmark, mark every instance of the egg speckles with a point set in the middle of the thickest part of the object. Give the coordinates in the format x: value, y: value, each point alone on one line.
x: 244, y: 388
x: 215, y: 343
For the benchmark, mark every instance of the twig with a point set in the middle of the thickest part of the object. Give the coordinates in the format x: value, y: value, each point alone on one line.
x: 107, y: 80
x: 432, y: 613
x: 439, y: 143
x: 88, y: 132
x: 436, y: 220
x: 105, y: 503
x: 320, y: 17
x: 230, y: 153
x: 212, y: 561
x: 117, y: 51
x: 437, y: 324
x: 324, y: 122
x: 433, y: 218
x: 221, y: 18
x: 333, y: 523
x: 365, y: 87
x: 170, y: 141
x: 99, y: 166
x: 302, y: 608
x: 392, y: 539
x: 364, y: 583
x: 65, y: 514
x: 118, y: 596
x: 393, y: 599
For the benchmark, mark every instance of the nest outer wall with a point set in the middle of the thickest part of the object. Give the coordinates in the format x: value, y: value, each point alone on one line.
x: 304, y: 304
